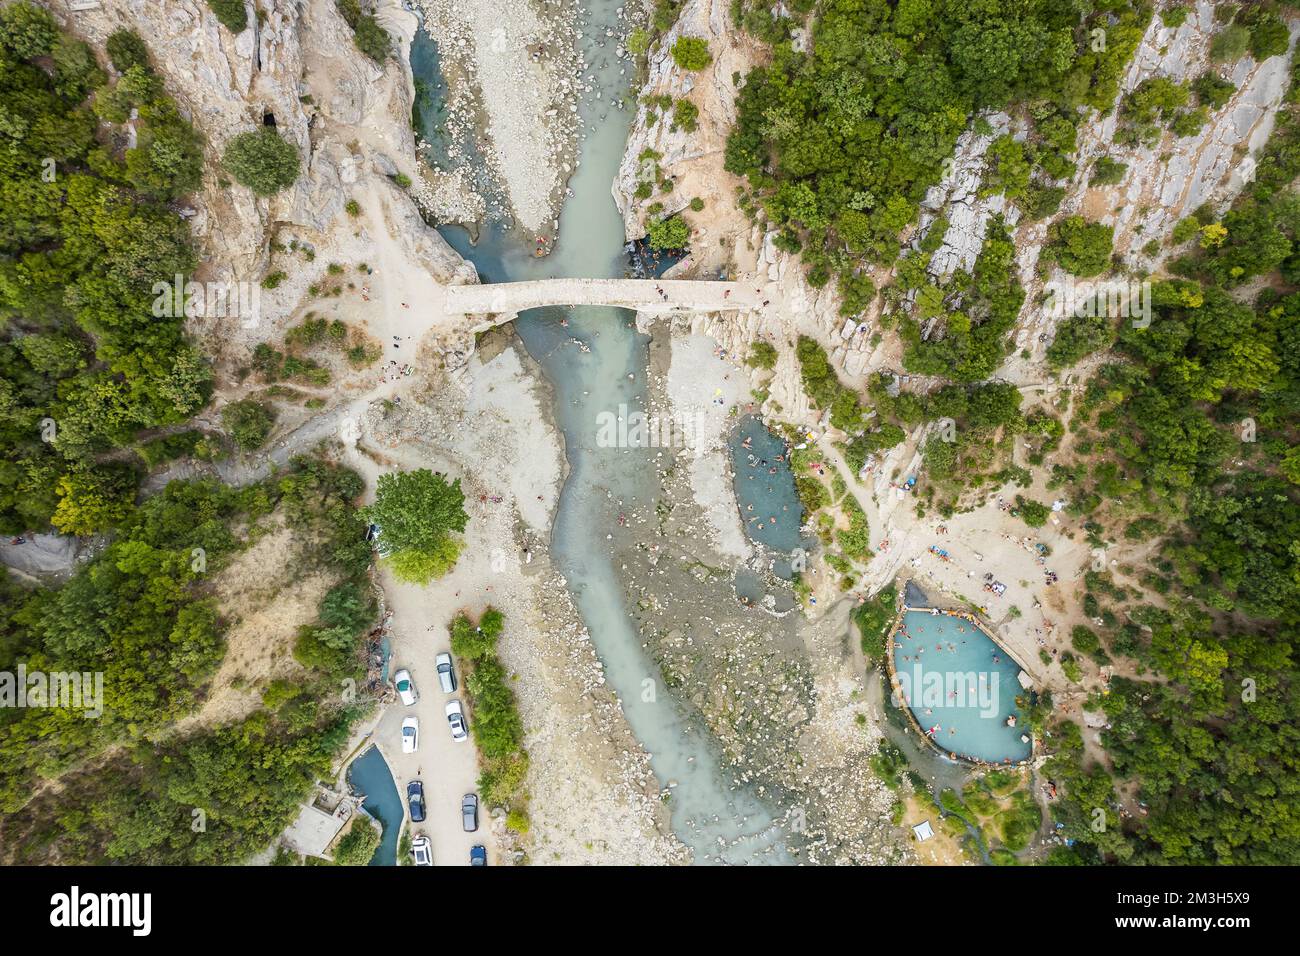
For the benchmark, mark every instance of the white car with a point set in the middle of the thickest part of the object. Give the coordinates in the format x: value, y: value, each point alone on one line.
x: 422, y: 850
x: 456, y: 718
x: 410, y: 735
x: 446, y: 674
x: 405, y: 689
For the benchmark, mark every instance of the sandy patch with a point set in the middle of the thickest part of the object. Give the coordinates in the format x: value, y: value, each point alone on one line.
x: 942, y: 849
x: 704, y: 387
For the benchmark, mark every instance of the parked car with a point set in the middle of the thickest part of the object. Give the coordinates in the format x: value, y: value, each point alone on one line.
x: 374, y: 534
x: 469, y: 812
x: 415, y: 800
x: 446, y: 673
x: 422, y: 850
x: 478, y: 855
x: 405, y: 689
x: 410, y: 735
x: 456, y: 718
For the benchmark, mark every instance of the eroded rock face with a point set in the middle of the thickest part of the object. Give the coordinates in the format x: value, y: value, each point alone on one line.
x: 958, y: 197
x: 1169, y: 180
x: 1163, y: 183
x: 295, y: 66
x: 711, y: 90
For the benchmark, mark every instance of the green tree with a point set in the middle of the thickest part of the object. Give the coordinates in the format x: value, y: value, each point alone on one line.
x: 249, y: 423
x: 685, y: 115
x: 1080, y: 247
x: 167, y: 161
x: 419, y: 512
x: 1079, y: 336
x: 1268, y: 35
x: 691, y: 53
x: 668, y: 233
x: 26, y: 30
x: 93, y: 501
x: 357, y: 847
x: 423, y: 566
x: 262, y: 160
x: 126, y: 49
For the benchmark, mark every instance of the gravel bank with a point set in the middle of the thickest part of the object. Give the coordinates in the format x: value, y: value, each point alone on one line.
x: 514, y: 74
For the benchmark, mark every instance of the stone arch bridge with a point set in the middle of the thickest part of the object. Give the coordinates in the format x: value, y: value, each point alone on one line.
x: 506, y: 299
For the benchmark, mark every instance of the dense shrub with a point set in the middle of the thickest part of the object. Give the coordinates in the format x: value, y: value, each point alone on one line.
x: 262, y: 160
x: 232, y: 14
x: 249, y: 423
x: 369, y: 37
x: 691, y: 53
x: 1078, y: 246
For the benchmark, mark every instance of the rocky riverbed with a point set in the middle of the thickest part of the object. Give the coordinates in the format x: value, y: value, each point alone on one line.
x: 514, y: 75
x: 783, y: 697
x: 593, y: 797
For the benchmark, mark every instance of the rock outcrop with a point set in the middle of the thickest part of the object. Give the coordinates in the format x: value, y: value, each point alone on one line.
x: 295, y: 67
x: 712, y: 91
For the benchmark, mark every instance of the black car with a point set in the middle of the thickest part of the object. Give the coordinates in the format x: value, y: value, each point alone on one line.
x: 415, y: 799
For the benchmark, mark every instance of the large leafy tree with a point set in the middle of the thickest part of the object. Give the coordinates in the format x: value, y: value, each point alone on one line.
x: 419, y: 512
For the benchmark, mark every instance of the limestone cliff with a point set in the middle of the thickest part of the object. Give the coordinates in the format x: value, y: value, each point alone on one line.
x: 294, y: 66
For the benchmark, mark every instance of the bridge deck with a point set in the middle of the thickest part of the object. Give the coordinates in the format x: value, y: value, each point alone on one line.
x: 641, y: 294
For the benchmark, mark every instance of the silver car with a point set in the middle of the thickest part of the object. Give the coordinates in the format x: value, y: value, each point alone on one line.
x: 469, y: 812
x: 446, y: 673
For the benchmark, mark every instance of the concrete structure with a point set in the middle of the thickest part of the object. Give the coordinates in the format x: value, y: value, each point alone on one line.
x: 896, y: 691
x: 316, y: 827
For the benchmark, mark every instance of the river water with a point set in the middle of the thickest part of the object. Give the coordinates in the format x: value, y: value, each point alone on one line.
x: 719, y: 820
x: 961, y: 687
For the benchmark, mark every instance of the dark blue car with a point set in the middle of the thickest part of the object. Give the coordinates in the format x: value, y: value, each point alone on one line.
x: 478, y: 855
x: 415, y: 799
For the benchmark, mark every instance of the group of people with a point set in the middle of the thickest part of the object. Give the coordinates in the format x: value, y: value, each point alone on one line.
x: 393, y: 371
